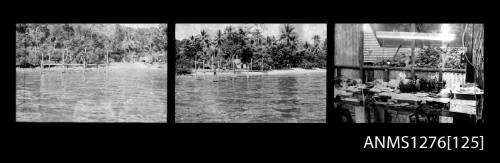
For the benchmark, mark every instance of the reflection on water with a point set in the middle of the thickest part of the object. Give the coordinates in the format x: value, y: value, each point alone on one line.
x: 130, y: 95
x: 266, y: 98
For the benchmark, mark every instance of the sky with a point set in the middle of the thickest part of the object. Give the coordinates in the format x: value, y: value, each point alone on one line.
x: 304, y: 31
x: 141, y: 25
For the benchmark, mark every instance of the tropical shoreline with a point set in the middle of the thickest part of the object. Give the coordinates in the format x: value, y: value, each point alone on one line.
x: 112, y: 66
x: 271, y: 72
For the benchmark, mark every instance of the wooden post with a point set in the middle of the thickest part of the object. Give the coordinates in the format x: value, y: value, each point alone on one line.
x: 41, y: 61
x: 478, y: 53
x: 63, y: 57
x: 443, y: 63
x: 386, y: 75
x: 370, y: 75
x: 339, y: 72
x: 412, y: 29
x: 85, y: 60
x: 107, y: 57
x: 361, y: 56
x: 470, y: 72
x: 54, y: 47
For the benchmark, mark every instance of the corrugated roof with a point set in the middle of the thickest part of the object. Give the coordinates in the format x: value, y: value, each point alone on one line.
x: 374, y: 53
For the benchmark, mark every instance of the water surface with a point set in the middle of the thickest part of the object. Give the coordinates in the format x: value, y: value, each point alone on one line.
x: 299, y: 98
x: 118, y: 95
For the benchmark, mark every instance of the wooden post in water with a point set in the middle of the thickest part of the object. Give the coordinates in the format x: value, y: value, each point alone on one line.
x: 107, y: 57
x: 63, y: 57
x: 203, y: 69
x: 54, y: 47
x: 85, y: 60
x: 41, y: 61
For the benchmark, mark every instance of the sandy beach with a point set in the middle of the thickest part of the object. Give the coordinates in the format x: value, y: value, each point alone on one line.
x: 103, y: 67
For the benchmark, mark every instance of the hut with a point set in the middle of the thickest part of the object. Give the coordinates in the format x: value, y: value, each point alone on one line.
x: 358, y: 44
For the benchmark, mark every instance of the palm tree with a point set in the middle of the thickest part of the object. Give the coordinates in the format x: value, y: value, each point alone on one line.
x: 229, y: 29
x: 204, y: 37
x: 205, y: 44
x: 269, y: 43
x: 316, y: 40
x: 288, y: 38
x: 258, y: 44
x: 293, y: 43
x: 306, y: 45
x: 191, y: 40
x: 288, y: 34
x: 317, y: 43
x: 219, y: 41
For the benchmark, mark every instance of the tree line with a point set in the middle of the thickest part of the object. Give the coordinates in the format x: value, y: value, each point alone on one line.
x: 250, y: 47
x: 38, y: 44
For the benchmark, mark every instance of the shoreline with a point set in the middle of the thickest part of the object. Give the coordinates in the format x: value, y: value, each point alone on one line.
x: 101, y: 67
x: 272, y: 72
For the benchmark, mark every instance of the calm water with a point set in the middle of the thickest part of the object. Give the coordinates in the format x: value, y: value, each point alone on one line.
x: 265, y: 98
x: 120, y: 95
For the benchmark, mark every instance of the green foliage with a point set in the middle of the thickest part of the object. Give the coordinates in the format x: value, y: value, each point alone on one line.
x: 455, y: 58
x: 429, y: 58
x: 251, y: 48
x: 86, y: 43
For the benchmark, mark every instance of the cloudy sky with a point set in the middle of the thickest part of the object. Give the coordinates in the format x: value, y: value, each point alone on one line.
x: 305, y: 31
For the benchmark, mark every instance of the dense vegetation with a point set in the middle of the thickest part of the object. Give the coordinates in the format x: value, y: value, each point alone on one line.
x: 430, y: 57
x: 88, y: 44
x: 222, y: 50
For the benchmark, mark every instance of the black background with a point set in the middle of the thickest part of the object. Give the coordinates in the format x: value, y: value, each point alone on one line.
x: 287, y: 141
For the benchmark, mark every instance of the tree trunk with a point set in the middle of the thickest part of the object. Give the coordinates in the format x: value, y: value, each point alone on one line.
x: 478, y: 54
x: 251, y: 64
x: 53, y: 48
x: 63, y: 57
x: 42, y: 64
x: 262, y: 64
x: 85, y: 59
x: 107, y: 57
